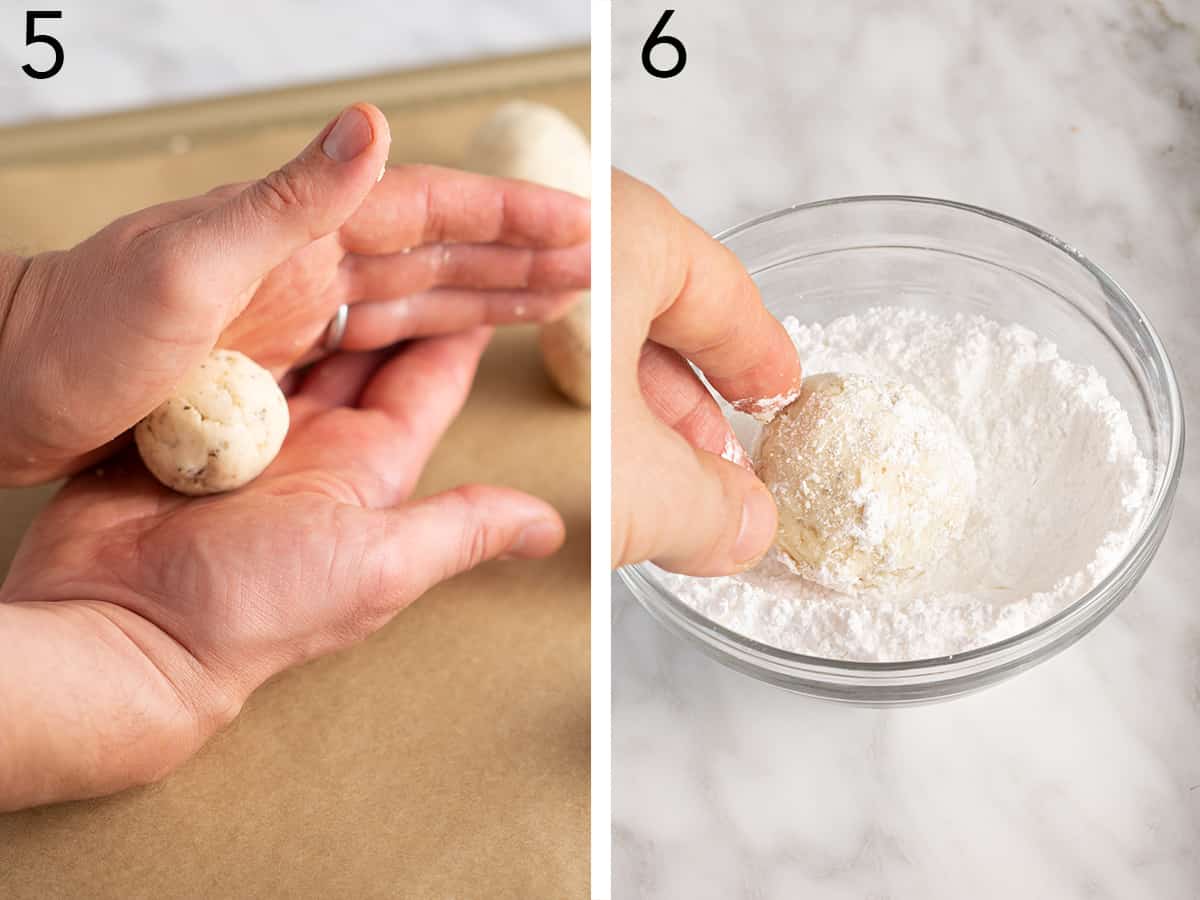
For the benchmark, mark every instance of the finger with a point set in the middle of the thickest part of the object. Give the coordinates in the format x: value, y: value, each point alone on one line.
x: 338, y: 380
x: 376, y: 451
x: 687, y: 509
x: 688, y: 292
x: 423, y: 389
x: 679, y: 400
x: 289, y: 382
x: 445, y: 311
x: 412, y: 548
x: 416, y: 205
x: 313, y: 195
x: 479, y: 266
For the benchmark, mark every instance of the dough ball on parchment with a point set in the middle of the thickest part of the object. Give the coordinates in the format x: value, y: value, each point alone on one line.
x: 221, y: 427
x: 533, y: 142
x: 567, y: 352
x: 537, y: 143
x: 873, y: 483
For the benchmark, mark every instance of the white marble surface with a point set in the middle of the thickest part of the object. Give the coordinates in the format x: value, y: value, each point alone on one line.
x: 129, y: 53
x: 1080, y: 778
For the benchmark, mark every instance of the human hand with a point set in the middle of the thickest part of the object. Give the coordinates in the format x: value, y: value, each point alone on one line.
x: 93, y: 338
x: 679, y: 296
x: 135, y: 622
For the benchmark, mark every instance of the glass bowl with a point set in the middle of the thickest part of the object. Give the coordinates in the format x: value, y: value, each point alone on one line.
x: 818, y: 261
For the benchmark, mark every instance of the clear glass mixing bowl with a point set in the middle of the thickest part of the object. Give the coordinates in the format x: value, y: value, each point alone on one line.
x: 822, y: 260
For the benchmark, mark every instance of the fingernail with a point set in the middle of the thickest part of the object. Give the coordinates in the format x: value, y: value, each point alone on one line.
x: 351, y: 135
x: 757, y: 530
x: 534, y: 540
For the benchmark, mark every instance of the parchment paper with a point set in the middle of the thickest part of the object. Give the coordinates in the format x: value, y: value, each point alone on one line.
x: 448, y: 755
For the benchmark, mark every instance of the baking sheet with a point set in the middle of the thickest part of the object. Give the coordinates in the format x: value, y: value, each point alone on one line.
x: 447, y: 756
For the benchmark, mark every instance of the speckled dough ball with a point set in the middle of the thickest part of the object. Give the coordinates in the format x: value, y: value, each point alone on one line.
x: 533, y: 142
x: 222, y: 426
x: 873, y: 483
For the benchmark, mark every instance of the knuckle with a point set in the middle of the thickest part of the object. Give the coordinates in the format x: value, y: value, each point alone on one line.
x: 727, y: 521
x: 718, y: 336
x: 126, y: 230
x: 225, y: 191
x: 475, y: 546
x: 627, y: 546
x: 477, y: 536
x: 163, y: 269
x: 435, y: 224
x: 349, y: 570
x: 280, y: 191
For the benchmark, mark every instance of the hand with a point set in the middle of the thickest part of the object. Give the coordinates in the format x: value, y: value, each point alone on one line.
x: 135, y: 622
x: 679, y: 296
x: 93, y: 338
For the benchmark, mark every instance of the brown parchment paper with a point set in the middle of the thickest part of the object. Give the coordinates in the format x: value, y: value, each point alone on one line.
x: 447, y: 756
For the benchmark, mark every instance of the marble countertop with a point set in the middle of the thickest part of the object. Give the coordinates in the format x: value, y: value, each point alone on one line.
x: 130, y: 53
x: 1081, y: 777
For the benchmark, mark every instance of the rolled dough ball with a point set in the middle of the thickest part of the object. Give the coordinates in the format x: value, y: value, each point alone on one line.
x: 567, y: 352
x: 222, y: 426
x: 532, y: 142
x: 873, y: 483
x: 537, y: 143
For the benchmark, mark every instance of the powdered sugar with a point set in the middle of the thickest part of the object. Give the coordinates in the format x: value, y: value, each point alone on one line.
x: 735, y: 452
x: 1060, y: 494
x: 764, y: 409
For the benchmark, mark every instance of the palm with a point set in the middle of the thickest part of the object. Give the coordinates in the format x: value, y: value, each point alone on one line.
x: 176, y: 561
x: 247, y: 583
x: 287, y: 313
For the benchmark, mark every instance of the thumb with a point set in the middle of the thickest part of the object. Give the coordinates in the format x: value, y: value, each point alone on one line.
x: 420, y: 544
x: 689, y: 510
x: 308, y: 198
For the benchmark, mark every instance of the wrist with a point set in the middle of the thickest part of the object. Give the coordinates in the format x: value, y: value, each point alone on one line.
x: 107, y: 722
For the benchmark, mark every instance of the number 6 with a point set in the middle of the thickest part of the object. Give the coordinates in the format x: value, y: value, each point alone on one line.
x: 656, y: 38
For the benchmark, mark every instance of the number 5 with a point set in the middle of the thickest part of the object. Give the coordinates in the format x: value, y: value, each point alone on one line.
x: 32, y: 37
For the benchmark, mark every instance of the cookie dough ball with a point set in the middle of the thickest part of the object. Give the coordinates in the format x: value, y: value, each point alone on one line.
x: 873, y: 483
x: 537, y: 143
x: 222, y: 426
x: 567, y: 352
x: 533, y: 142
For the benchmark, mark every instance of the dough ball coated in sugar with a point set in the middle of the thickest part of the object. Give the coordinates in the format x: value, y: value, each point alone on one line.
x: 533, y: 142
x: 873, y: 482
x: 567, y: 352
x: 221, y: 427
